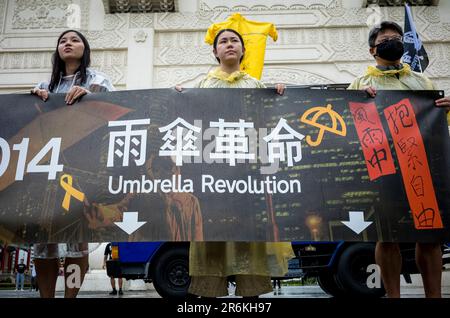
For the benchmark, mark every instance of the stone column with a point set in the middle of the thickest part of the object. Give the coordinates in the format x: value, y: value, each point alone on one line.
x: 186, y: 5
x: 96, y: 15
x: 140, y: 58
x: 444, y: 11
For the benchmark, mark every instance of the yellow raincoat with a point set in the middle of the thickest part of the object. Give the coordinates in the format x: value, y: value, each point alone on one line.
x: 387, y: 80
x: 211, y: 262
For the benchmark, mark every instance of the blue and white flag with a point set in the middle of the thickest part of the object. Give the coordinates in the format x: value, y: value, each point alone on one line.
x: 415, y: 54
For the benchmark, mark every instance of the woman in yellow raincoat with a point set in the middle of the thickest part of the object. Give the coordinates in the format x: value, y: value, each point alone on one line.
x: 251, y: 263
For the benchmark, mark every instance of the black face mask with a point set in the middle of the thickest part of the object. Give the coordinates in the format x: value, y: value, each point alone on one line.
x: 391, y: 50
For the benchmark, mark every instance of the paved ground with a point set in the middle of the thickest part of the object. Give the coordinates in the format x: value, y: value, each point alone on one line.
x: 284, y: 292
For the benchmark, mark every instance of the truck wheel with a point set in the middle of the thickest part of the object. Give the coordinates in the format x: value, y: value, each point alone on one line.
x: 352, y: 270
x: 327, y: 281
x: 171, y: 273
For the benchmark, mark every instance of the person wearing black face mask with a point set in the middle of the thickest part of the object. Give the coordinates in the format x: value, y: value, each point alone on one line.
x: 386, y: 46
x: 390, y: 49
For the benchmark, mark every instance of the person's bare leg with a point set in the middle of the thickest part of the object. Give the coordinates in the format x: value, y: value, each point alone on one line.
x: 120, y: 283
x: 113, y: 283
x: 389, y: 258
x: 46, y: 276
x: 429, y: 262
x: 83, y: 263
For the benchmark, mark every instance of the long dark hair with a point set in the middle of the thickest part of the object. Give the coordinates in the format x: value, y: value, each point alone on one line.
x: 59, y: 66
x: 216, y: 39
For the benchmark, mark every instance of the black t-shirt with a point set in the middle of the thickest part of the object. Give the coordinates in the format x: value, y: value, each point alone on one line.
x: 108, y: 251
x: 21, y: 268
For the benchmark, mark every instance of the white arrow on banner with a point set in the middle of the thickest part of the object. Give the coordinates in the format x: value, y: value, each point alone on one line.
x: 356, y: 221
x: 130, y: 222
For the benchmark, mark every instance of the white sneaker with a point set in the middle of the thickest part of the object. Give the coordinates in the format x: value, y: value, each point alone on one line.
x: 22, y: 289
x: 16, y: 289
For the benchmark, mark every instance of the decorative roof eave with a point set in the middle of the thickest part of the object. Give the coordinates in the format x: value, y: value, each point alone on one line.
x: 138, y: 6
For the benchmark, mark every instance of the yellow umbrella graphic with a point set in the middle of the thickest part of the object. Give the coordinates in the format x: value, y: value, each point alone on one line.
x: 312, y: 116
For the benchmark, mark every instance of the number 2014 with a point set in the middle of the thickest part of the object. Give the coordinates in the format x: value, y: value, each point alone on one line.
x: 52, y: 168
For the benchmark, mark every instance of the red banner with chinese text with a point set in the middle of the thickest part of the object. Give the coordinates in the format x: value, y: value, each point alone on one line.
x: 373, y: 140
x: 413, y: 163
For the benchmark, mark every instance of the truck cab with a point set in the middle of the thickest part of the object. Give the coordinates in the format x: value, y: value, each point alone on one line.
x: 165, y: 264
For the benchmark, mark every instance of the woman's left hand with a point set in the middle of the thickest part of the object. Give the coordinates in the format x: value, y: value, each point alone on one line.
x: 280, y: 88
x: 75, y: 93
x: 444, y: 102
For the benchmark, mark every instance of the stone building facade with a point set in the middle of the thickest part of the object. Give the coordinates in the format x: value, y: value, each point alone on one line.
x: 154, y: 44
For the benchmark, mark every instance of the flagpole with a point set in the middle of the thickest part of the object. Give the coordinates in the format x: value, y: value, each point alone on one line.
x: 420, y: 67
x: 414, y: 32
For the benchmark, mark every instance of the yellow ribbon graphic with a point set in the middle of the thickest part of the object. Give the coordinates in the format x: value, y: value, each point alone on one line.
x: 66, y: 184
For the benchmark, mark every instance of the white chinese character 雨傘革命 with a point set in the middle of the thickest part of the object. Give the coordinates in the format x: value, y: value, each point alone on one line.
x: 123, y: 143
x: 179, y: 140
x: 290, y: 141
x: 232, y: 142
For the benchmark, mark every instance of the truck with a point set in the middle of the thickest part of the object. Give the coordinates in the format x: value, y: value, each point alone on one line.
x: 342, y: 269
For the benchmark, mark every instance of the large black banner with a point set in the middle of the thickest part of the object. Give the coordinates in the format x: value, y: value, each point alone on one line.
x: 225, y: 164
